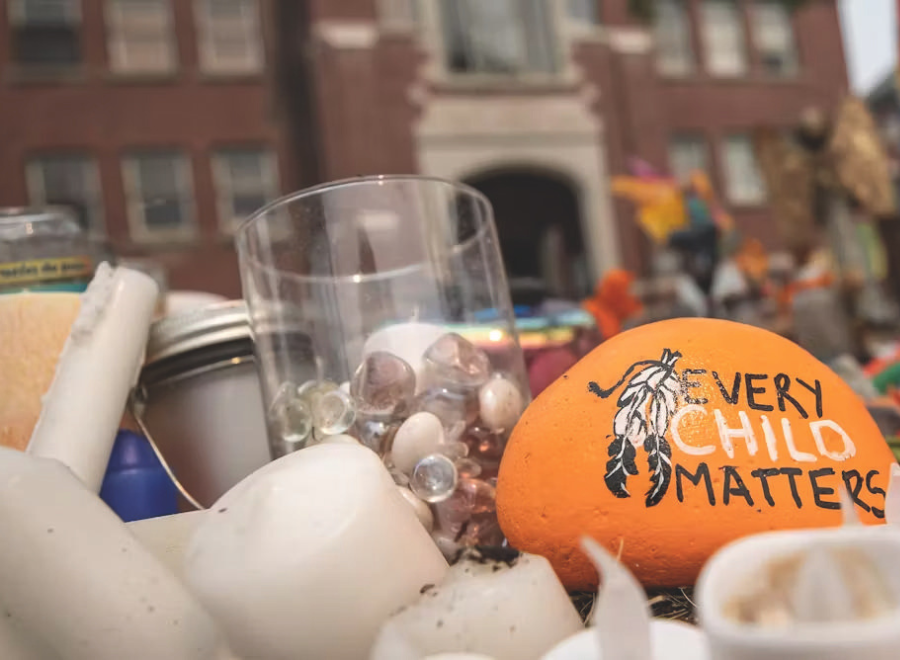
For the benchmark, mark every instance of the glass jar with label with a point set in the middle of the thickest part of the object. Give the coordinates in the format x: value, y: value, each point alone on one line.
x: 45, y: 249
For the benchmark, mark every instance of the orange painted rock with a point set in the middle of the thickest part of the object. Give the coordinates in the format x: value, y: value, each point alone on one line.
x: 672, y: 439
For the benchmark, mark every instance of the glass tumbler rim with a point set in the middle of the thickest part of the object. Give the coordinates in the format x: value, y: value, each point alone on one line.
x: 366, y: 180
x: 342, y: 184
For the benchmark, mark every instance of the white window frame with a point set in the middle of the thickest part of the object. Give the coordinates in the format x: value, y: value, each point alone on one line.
x: 731, y: 177
x: 37, y: 190
x: 579, y: 29
x: 709, y: 46
x: 683, y: 67
x: 209, y: 60
x: 696, y: 141
x: 398, y: 16
x: 793, y: 52
x: 17, y: 14
x: 165, y: 61
x: 223, y: 183
x: 137, y: 224
x: 437, y: 71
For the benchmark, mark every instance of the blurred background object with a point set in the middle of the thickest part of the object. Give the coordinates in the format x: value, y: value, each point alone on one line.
x: 163, y: 124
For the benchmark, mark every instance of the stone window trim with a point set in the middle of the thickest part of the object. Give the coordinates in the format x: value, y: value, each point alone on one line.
x: 92, y: 195
x: 567, y: 33
x: 248, y: 26
x: 140, y: 232
x: 125, y: 57
x: 269, y: 181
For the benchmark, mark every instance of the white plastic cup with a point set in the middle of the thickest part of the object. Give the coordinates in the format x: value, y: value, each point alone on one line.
x: 729, y: 571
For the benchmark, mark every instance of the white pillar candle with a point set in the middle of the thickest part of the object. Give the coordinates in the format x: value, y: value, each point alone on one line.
x: 802, y: 630
x: 514, y: 612
x: 308, y: 556
x: 98, y: 367
x: 73, y: 577
x: 622, y: 626
x: 671, y: 640
x: 167, y: 537
x: 16, y: 645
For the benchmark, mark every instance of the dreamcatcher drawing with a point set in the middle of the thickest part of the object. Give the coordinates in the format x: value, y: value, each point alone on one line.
x: 646, y: 407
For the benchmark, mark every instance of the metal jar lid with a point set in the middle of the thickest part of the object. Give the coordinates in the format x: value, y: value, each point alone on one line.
x: 197, y: 339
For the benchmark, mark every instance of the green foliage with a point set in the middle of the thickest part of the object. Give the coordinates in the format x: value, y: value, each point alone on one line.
x: 645, y: 9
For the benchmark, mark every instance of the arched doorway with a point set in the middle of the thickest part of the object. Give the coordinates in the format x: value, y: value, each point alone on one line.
x: 539, y: 225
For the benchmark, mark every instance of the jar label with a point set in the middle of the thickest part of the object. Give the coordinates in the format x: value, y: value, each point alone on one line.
x: 41, y: 272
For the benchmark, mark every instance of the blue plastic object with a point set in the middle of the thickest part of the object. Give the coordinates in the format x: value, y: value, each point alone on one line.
x: 136, y: 486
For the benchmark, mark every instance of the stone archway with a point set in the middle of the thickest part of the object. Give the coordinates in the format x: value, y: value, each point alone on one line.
x: 539, y: 225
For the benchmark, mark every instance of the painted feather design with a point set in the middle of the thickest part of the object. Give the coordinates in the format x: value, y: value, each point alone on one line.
x: 646, y: 407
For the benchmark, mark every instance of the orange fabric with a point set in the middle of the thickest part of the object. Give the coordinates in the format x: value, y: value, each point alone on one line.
x: 787, y: 293
x: 613, y: 302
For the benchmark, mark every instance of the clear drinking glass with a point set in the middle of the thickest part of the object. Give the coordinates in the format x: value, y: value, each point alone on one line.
x: 380, y: 311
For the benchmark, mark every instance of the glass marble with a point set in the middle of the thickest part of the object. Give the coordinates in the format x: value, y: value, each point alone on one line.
x: 434, y: 478
x: 333, y: 412
x: 289, y: 417
x: 455, y: 362
x: 383, y: 384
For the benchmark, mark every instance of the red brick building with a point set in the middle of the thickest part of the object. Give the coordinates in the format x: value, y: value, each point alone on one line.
x: 164, y: 121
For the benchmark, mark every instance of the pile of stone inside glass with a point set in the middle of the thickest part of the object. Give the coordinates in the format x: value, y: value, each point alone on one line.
x: 441, y: 430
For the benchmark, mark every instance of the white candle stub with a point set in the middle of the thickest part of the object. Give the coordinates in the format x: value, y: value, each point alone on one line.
x: 506, y: 608
x: 99, y: 365
x: 827, y: 594
x: 308, y: 556
x: 77, y: 581
x: 422, y: 510
x: 622, y: 628
x: 167, y: 537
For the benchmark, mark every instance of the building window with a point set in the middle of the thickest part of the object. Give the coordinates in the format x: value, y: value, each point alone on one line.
x: 69, y: 180
x: 687, y: 154
x: 674, y: 52
x: 399, y: 15
x: 158, y: 188
x: 724, y: 45
x: 230, y: 41
x: 499, y: 37
x: 773, y: 33
x: 584, y: 11
x: 246, y: 180
x: 46, y: 33
x: 141, y: 39
x: 743, y: 181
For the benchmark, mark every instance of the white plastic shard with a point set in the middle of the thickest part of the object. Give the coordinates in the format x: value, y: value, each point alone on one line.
x: 74, y: 578
x: 621, y: 615
x: 848, y: 509
x: 505, y: 607
x: 892, y: 499
x: 167, y: 537
x: 98, y: 367
x: 308, y: 556
x: 820, y: 592
x: 622, y: 627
